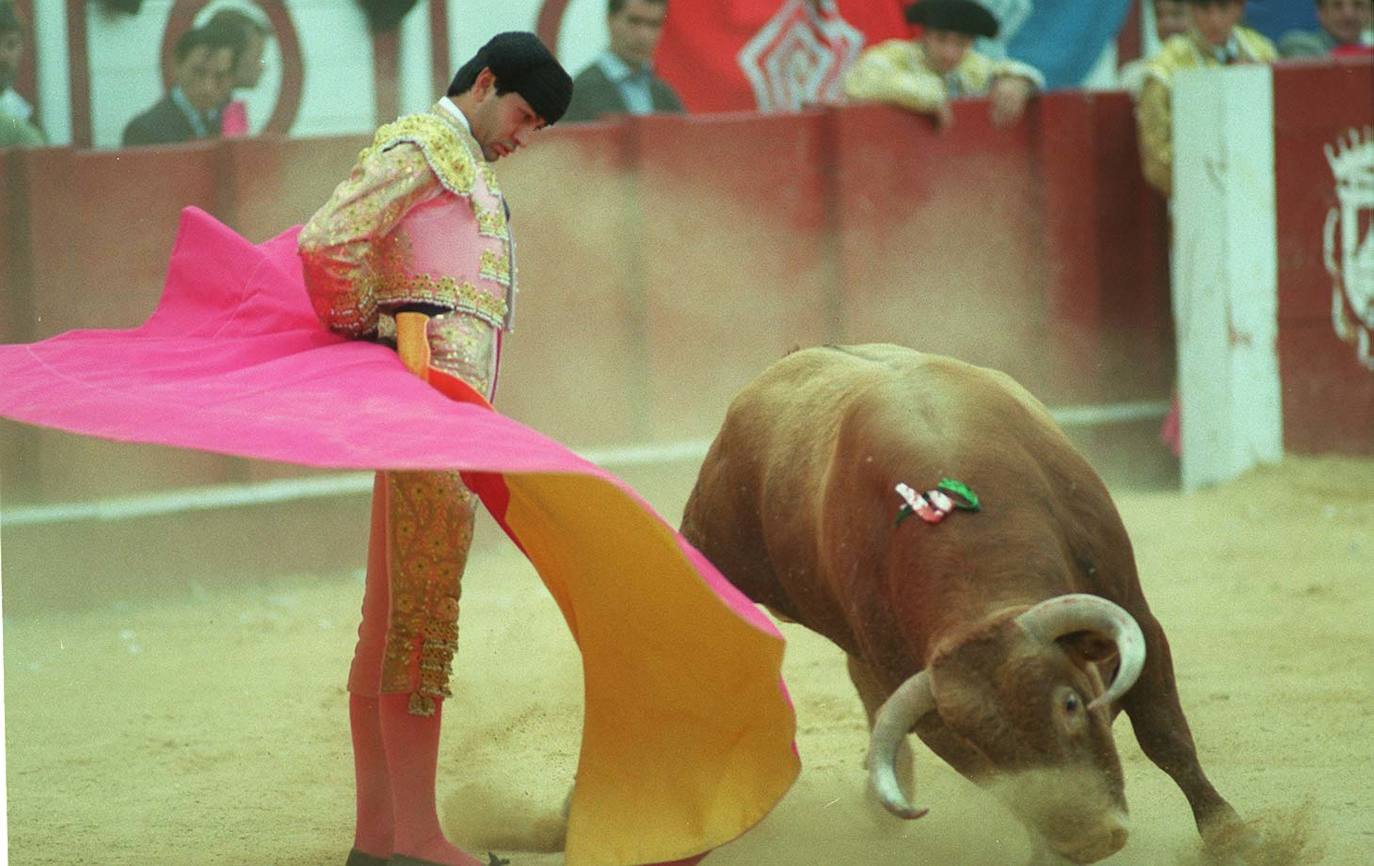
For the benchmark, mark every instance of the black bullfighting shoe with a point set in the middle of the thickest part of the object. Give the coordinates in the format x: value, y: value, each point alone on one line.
x: 358, y: 858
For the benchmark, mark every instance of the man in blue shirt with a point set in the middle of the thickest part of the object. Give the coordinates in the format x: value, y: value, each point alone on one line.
x: 621, y: 79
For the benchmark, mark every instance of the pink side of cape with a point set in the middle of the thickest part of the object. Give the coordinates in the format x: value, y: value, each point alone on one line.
x: 234, y: 361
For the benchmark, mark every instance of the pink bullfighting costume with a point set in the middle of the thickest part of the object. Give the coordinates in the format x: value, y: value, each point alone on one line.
x: 414, y: 250
x: 417, y: 232
x: 416, y: 236
x: 687, y: 731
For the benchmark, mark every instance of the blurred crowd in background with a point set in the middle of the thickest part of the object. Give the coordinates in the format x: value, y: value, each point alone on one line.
x: 781, y: 55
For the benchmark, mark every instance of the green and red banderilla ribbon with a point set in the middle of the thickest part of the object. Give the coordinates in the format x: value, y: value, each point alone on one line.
x: 934, y: 505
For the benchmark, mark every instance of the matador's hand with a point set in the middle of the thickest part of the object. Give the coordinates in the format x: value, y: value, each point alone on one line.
x: 1009, y: 96
x: 943, y: 116
x: 412, y: 342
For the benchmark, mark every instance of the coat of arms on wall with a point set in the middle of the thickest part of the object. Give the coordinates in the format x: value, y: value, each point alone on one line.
x: 1349, y: 241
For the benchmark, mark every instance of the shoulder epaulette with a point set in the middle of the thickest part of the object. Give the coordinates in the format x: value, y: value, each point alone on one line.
x: 445, y: 151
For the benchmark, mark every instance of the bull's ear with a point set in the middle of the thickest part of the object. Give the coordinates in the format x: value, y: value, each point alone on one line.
x: 1088, y: 646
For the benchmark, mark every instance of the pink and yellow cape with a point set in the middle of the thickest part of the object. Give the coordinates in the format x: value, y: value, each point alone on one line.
x: 687, y: 738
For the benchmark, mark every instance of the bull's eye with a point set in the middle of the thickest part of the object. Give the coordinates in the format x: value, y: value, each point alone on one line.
x: 1072, y: 703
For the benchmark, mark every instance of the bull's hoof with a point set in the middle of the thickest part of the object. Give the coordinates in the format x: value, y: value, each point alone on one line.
x: 1230, y: 841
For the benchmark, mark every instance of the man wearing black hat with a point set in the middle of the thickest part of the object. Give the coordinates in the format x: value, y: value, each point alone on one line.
x: 414, y: 250
x: 924, y: 75
x: 1215, y: 38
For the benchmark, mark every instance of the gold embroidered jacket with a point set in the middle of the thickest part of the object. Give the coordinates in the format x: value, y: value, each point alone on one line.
x: 1154, y: 116
x: 419, y: 220
x: 896, y: 72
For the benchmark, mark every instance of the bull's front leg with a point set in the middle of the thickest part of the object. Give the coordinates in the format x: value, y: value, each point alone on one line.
x: 1162, y: 731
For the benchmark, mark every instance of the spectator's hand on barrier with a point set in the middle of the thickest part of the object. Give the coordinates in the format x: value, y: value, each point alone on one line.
x: 943, y: 117
x: 1009, y: 96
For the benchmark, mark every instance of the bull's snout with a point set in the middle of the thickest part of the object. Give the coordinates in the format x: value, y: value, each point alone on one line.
x: 1098, y: 843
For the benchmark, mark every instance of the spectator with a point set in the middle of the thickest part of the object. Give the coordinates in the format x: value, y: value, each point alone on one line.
x: 1345, y: 29
x: 1171, y: 19
x: 247, y: 70
x: 202, y: 76
x: 1215, y: 38
x: 621, y: 79
x: 16, y: 114
x: 18, y: 133
x: 923, y: 76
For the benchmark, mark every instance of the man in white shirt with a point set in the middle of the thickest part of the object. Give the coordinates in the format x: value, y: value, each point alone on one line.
x: 621, y: 79
x: 11, y: 53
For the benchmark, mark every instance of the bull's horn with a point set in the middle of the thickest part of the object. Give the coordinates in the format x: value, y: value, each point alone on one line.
x: 1065, y: 614
x: 893, y: 722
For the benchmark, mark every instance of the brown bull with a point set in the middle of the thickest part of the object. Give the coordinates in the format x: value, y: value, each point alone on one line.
x: 1007, y: 638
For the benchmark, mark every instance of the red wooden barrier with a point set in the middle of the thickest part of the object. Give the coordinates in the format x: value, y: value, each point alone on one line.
x: 666, y: 260
x: 100, y: 268
x: 1328, y: 393
x: 1106, y: 255
x: 573, y: 364
x: 939, y: 237
x: 734, y: 257
x: 269, y: 184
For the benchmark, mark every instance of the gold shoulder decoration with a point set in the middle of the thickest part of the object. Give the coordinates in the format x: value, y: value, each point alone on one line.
x: 1258, y: 46
x: 446, y: 153
x: 1178, y: 52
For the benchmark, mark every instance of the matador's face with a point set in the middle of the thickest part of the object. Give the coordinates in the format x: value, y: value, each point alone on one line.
x: 502, y: 123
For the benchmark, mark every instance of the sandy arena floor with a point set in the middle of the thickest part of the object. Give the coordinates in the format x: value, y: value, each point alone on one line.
x: 210, y: 728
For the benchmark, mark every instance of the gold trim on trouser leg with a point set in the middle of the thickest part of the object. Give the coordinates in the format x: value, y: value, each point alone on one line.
x: 430, y: 519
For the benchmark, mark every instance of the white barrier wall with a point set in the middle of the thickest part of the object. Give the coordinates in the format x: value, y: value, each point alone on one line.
x: 1225, y: 278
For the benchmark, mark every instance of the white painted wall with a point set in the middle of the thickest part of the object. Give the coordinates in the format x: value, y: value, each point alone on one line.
x: 584, y: 33
x: 337, y: 95
x: 473, y: 22
x: 416, y: 87
x: 123, y: 57
x: 54, y: 87
x: 1225, y: 272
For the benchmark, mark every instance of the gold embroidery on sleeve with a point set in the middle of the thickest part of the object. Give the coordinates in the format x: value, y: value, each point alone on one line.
x: 495, y: 266
x: 491, y: 223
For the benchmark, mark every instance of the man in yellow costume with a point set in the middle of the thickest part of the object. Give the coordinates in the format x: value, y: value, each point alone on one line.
x: 1215, y: 38
x: 925, y: 75
x: 414, y: 249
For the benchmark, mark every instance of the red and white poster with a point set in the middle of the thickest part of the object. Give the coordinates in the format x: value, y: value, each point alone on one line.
x: 769, y: 55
